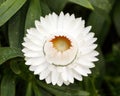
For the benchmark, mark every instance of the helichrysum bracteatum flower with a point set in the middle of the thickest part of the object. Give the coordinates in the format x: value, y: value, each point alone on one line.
x: 60, y: 49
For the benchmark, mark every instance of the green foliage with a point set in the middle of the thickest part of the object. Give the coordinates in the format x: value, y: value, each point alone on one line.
x: 29, y: 89
x: 7, y: 53
x: 45, y: 9
x: 8, y: 9
x: 33, y: 13
x: 18, y: 15
x: 84, y: 3
x: 101, y: 25
x: 8, y: 85
x: 105, y: 5
x: 73, y: 90
x: 15, y: 34
x: 56, y: 5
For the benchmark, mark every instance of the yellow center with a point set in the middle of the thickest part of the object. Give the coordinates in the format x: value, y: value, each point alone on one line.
x: 61, y: 43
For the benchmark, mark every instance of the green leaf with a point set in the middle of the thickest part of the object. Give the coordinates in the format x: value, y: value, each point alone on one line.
x: 105, y: 5
x: 1, y: 1
x: 8, y: 85
x: 84, y: 3
x: 89, y: 85
x: 44, y: 92
x: 16, y: 33
x: 18, y: 67
x: 99, y: 69
x: 36, y: 90
x: 8, y: 9
x: 64, y: 90
x: 15, y: 66
x: 5, y: 5
x: 7, y: 53
x: 34, y: 13
x: 94, y: 81
x: 29, y: 89
x: 116, y: 17
x: 113, y: 59
x: 56, y: 5
x: 45, y: 9
x: 99, y: 26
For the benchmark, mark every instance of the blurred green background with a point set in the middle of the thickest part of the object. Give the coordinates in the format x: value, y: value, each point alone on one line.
x: 18, y: 15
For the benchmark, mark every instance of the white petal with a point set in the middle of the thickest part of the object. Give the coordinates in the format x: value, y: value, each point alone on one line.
x: 89, y: 57
x: 35, y: 61
x: 64, y: 74
x: 35, y: 40
x: 60, y: 22
x: 59, y: 69
x: 85, y: 63
x: 33, y: 47
x: 77, y: 28
x: 51, y: 67
x: 32, y: 54
x: 90, y: 35
x: 32, y: 68
x: 42, y: 28
x: 60, y: 81
x: 70, y: 76
x: 38, y: 26
x: 91, y: 41
x: 54, y: 77
x: 85, y: 50
x: 92, y: 59
x: 87, y: 29
x: 44, y: 74
x: 81, y: 70
x: 67, y: 23
x: 77, y: 76
x: 48, y: 79
x: 40, y: 68
x: 35, y: 33
x: 53, y: 23
x: 66, y: 82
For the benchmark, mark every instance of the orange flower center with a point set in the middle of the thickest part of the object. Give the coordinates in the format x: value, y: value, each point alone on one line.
x: 61, y: 43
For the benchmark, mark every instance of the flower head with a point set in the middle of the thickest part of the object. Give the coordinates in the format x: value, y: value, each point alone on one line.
x: 60, y: 49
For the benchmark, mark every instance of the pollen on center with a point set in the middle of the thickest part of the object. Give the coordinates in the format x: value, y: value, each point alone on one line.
x: 61, y: 43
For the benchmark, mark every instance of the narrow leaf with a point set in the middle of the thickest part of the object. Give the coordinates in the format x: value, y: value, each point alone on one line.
x: 4, y: 8
x: 56, y: 5
x: 8, y: 9
x: 89, y: 86
x: 7, y: 53
x: 34, y: 13
x: 16, y: 33
x: 105, y: 5
x: 64, y: 90
x: 8, y: 85
x: 84, y: 3
x: 36, y: 90
x: 14, y: 65
x: 45, y: 9
x: 29, y: 89
x: 100, y: 26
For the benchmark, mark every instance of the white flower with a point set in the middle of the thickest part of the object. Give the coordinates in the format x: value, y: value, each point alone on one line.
x: 60, y: 49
